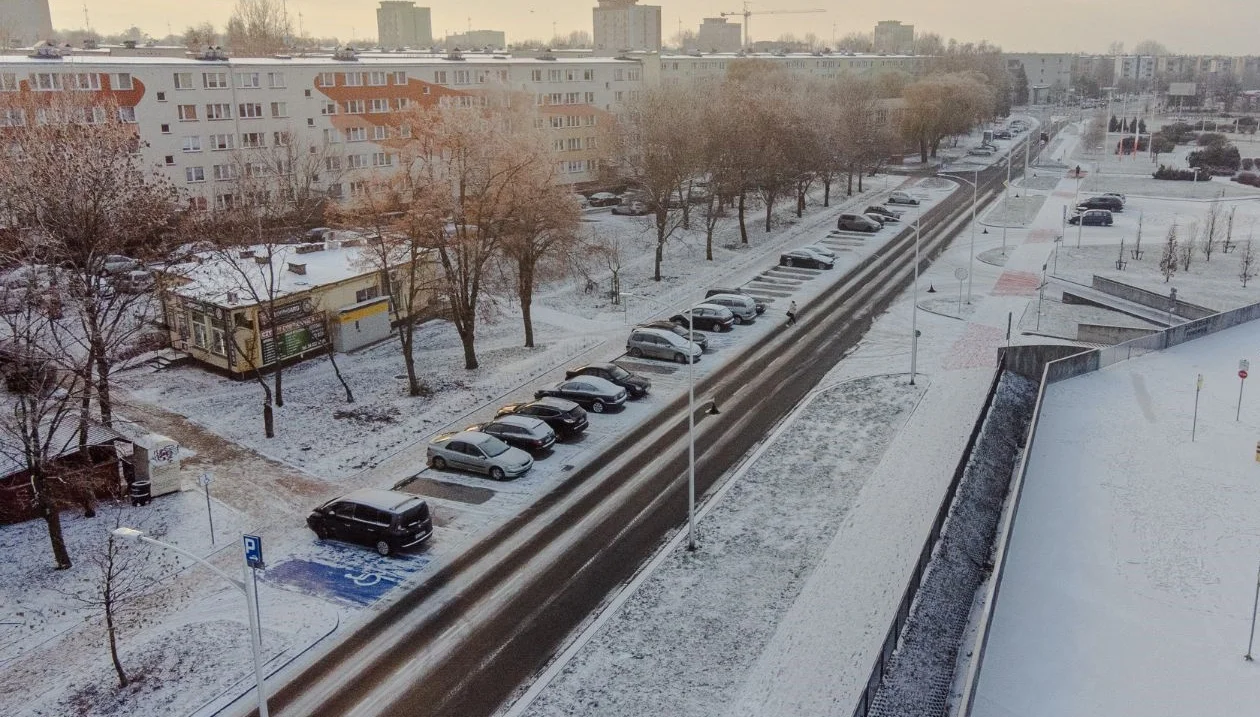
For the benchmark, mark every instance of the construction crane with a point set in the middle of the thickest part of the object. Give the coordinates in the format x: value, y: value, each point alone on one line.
x: 745, y: 13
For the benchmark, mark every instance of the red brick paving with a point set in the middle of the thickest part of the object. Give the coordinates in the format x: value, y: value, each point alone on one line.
x: 1040, y: 236
x: 1016, y: 283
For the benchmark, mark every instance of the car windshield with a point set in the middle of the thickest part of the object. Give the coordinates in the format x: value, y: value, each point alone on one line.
x: 493, y: 446
x: 619, y: 372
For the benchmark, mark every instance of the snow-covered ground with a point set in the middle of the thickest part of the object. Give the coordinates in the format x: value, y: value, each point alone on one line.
x: 1131, y: 573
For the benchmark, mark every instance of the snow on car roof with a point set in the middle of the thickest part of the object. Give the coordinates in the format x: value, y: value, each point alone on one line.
x: 513, y: 419
x: 387, y: 500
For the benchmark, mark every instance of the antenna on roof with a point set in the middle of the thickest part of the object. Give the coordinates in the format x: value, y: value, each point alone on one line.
x: 86, y: 24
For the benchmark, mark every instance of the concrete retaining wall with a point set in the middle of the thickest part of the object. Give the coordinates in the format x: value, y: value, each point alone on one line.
x: 1103, y: 334
x: 1030, y: 360
x: 1149, y: 298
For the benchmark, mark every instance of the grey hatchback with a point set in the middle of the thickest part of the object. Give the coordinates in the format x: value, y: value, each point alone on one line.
x: 479, y: 452
x: 662, y: 344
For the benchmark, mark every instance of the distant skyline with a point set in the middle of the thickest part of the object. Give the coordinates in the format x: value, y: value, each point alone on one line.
x: 1223, y: 27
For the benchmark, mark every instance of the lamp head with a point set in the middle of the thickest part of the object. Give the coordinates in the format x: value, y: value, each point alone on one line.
x: 128, y: 533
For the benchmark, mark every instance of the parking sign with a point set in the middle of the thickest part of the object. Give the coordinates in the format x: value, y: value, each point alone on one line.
x: 253, y: 551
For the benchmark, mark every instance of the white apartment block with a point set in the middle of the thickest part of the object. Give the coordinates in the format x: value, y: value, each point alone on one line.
x: 677, y: 69
x: 718, y: 35
x: 200, y: 118
x: 625, y: 25
x: 1049, y: 73
x: 1138, y: 68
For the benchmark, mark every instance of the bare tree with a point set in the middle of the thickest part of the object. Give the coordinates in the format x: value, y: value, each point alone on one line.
x: 1187, y: 249
x: 1247, y: 263
x: 1210, y: 228
x: 1168, y: 259
x: 1229, y: 231
x: 258, y: 28
x: 1137, y: 247
x: 199, y: 37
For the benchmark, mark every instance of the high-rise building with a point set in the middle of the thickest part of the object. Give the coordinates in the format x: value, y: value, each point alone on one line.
x: 893, y: 38
x: 475, y: 39
x: 718, y: 35
x: 627, y: 25
x: 24, y: 22
x: 399, y: 23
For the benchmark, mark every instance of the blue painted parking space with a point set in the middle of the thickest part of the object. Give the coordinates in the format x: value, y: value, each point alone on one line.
x: 345, y: 574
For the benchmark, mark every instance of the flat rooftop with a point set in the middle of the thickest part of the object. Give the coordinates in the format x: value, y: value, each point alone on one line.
x: 1132, y: 565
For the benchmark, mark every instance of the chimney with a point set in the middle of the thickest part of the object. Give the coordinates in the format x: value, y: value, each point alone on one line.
x: 297, y: 268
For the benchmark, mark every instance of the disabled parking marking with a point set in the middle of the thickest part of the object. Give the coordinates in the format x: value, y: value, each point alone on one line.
x: 361, y: 579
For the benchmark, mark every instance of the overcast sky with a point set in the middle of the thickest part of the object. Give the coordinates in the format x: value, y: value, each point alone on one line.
x: 1225, y: 27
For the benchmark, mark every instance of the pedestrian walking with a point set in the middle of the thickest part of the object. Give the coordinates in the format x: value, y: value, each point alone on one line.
x: 791, y: 314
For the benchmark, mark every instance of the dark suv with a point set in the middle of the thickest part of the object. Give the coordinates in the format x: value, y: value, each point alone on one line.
x: 387, y: 520
x: 637, y: 386
x: 566, y: 418
x: 1113, y: 204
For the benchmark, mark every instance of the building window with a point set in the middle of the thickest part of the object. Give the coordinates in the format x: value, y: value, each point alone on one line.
x: 634, y: 75
x: 332, y: 164
x: 161, y: 97
x: 572, y: 98
x: 83, y: 81
x: 224, y: 172
x: 251, y: 110
x: 195, y: 174
x: 588, y: 75
x: 378, y: 105
x: 45, y: 81
x: 253, y: 140
x: 574, y: 143
x: 334, y: 190
x: 358, y: 188
x: 275, y: 80
x: 354, y: 107
x: 439, y: 77
x: 214, y: 80
x: 328, y: 108
x: 588, y: 121
x: 590, y: 98
x: 279, y: 109
x: 331, y: 136
x: 127, y: 115
x: 382, y: 159
x: 166, y: 129
x: 400, y: 77
x: 197, y: 204
x: 192, y: 144
x: 224, y: 201
x: 327, y: 79
x: 187, y: 113
x: 377, y: 79
x: 555, y: 76
x: 122, y: 81
x: 380, y: 132
x: 402, y: 103
x: 247, y: 80
x: 535, y: 75
x: 170, y: 159
x: 280, y: 139
x: 618, y: 75
x: 219, y: 142
x: 557, y: 122
x: 218, y: 112
x: 356, y: 134
x: 462, y: 77
x: 356, y: 161
x: 183, y: 81
x: 364, y: 294
x: 354, y: 79
x: 8, y: 82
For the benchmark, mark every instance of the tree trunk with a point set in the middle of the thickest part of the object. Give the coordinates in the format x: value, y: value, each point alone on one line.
x: 85, y: 407
x: 332, y: 359
x: 406, y: 334
x: 525, y: 293
x: 103, y: 400
x: 743, y: 226
x: 52, y: 517
x: 662, y: 218
x: 470, y: 353
x: 848, y: 192
x: 800, y: 202
x: 859, y: 176
x: 112, y: 632
x: 827, y: 191
x: 269, y: 420
x: 769, y: 211
x: 923, y: 150
x: 279, y: 381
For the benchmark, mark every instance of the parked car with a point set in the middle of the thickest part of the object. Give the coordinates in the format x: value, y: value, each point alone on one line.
x: 980, y: 152
x: 804, y: 259
x: 901, y: 198
x: 857, y: 223
x: 1102, y: 202
x: 480, y: 453
x: 701, y: 340
x: 633, y: 208
x: 566, y: 418
x: 761, y: 305
x: 1117, y: 195
x: 821, y: 250
x: 117, y: 264
x: 1092, y: 217
x: 387, y: 520
x: 1003, y: 134
x: 523, y: 432
x: 708, y: 317
x: 138, y: 281
x: 590, y: 392
x: 886, y: 215
x: 605, y: 199
x: 661, y: 344
x: 743, y: 307
x: 582, y: 201
x: 820, y: 255
x: 637, y: 386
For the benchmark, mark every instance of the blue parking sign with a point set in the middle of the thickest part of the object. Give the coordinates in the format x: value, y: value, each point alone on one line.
x: 253, y: 551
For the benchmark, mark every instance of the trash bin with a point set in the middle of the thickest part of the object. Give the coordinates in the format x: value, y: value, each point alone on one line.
x: 140, y: 493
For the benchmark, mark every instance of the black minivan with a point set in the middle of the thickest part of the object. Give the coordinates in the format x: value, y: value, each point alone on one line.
x: 387, y: 520
x: 1110, y: 203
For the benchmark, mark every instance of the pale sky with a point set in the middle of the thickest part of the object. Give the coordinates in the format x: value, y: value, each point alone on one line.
x: 1226, y: 27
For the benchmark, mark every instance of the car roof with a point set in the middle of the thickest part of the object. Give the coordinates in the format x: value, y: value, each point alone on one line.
x: 737, y: 297
x: 659, y: 332
x: 560, y: 403
x: 597, y: 365
x: 513, y: 419
x: 597, y: 380
x: 387, y: 500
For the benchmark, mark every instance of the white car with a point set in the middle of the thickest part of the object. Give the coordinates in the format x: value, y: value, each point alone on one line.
x: 478, y: 452
x: 901, y: 198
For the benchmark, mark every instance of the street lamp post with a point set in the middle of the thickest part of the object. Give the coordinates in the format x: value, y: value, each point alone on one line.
x: 691, y: 423
x: 914, y: 302
x: 1080, y: 222
x: 255, y: 632
x: 971, y: 248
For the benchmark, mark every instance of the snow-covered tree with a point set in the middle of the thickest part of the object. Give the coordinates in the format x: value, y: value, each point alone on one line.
x: 1168, y: 258
x: 1247, y: 263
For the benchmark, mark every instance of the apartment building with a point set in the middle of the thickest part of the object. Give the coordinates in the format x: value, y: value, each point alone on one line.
x: 625, y: 25
x: 893, y: 38
x: 400, y: 23
x: 718, y: 35
x: 1136, y: 68
x: 204, y: 121
x: 675, y: 69
x: 494, y: 39
x: 1049, y: 73
x: 24, y: 22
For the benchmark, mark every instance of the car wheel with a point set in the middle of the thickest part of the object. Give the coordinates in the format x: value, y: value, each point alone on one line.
x: 636, y: 352
x: 382, y: 547
x: 439, y: 463
x: 739, y: 319
x: 320, y: 532
x: 680, y: 358
x: 597, y: 407
x: 496, y: 473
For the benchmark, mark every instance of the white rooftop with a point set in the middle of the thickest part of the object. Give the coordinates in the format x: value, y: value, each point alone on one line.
x: 216, y: 276
x: 1132, y: 567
